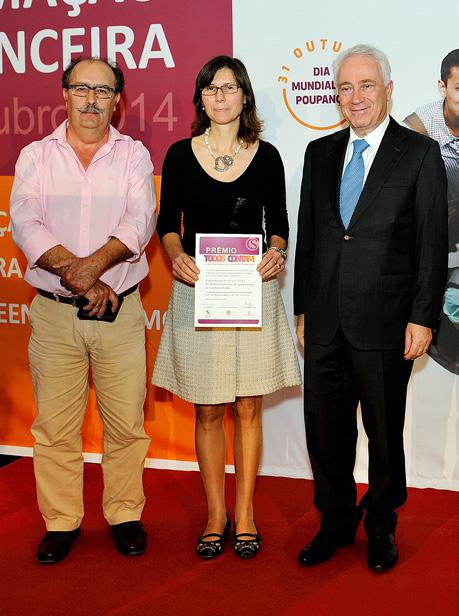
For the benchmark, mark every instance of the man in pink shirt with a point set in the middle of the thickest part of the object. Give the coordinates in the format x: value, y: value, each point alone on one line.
x: 83, y: 211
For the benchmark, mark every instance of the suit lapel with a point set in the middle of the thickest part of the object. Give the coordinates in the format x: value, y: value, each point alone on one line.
x: 335, y: 163
x: 387, y: 157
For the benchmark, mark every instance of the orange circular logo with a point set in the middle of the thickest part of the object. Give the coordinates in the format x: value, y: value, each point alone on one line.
x: 307, y: 85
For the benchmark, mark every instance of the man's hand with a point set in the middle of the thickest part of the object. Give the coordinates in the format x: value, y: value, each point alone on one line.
x: 79, y: 274
x: 417, y: 340
x: 300, y: 329
x: 99, y: 295
x: 55, y: 255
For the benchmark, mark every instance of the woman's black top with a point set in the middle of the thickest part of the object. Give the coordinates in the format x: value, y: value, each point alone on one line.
x: 253, y: 203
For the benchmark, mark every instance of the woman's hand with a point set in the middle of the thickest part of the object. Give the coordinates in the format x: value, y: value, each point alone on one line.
x: 184, y: 268
x: 272, y: 263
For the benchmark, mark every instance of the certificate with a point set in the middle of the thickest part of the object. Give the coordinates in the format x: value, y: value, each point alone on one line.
x: 228, y: 291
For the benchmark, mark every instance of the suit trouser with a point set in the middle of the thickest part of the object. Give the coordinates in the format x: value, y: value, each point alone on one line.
x: 337, y: 378
x: 62, y: 349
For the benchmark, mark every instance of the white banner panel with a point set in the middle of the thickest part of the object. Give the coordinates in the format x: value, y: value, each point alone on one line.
x: 288, y: 48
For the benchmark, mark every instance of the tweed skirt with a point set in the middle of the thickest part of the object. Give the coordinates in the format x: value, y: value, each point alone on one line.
x: 216, y: 365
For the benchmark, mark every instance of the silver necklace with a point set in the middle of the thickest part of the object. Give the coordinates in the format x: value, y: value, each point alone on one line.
x: 222, y: 163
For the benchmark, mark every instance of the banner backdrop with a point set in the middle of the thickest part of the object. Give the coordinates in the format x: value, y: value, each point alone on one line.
x: 161, y: 45
x: 290, y: 65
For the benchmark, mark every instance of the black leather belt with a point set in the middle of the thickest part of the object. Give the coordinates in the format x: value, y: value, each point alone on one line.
x: 77, y: 300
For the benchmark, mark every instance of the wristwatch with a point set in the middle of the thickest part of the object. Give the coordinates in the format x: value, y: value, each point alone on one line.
x: 281, y: 251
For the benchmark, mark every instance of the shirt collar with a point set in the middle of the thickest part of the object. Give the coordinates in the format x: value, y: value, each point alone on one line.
x: 432, y: 116
x: 373, y: 138
x: 445, y: 136
x: 60, y: 135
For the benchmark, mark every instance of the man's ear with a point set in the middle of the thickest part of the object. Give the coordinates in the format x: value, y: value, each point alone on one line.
x: 389, y: 90
x: 442, y: 87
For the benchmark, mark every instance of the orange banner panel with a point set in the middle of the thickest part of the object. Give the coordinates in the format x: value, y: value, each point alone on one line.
x: 169, y: 421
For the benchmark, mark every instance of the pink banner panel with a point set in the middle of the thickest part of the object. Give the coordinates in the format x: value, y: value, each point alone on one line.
x: 159, y: 44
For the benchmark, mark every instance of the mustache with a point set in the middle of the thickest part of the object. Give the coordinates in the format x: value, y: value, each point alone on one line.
x: 90, y: 108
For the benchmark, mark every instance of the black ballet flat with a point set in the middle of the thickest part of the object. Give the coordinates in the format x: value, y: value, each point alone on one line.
x: 246, y: 547
x: 213, y: 548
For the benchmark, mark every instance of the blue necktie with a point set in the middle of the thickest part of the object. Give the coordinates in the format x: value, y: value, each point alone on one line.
x: 352, y: 182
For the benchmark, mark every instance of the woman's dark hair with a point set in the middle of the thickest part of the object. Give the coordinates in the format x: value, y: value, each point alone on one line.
x: 119, y: 77
x: 250, y: 124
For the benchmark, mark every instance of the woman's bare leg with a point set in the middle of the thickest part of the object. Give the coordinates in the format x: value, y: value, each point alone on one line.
x: 211, y: 452
x: 247, y: 452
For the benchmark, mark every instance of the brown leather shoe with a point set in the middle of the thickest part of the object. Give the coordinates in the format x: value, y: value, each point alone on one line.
x: 130, y: 538
x: 55, y: 546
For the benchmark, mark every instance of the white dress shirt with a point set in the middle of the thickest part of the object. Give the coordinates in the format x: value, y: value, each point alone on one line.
x: 374, y: 141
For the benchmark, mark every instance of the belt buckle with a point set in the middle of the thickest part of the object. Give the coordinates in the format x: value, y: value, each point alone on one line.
x: 72, y: 300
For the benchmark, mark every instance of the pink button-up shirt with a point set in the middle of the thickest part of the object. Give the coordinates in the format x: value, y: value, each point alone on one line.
x: 55, y: 200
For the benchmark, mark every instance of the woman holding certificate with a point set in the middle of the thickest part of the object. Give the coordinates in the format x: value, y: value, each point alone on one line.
x: 225, y: 180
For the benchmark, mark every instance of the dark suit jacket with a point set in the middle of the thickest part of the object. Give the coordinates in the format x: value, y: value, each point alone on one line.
x: 389, y: 266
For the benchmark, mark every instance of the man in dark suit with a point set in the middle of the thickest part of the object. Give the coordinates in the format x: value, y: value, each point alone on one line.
x: 370, y: 270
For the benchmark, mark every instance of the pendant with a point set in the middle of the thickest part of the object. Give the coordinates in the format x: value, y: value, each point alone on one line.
x: 223, y: 163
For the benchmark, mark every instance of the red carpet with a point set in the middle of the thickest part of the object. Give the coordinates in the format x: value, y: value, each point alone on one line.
x: 170, y: 580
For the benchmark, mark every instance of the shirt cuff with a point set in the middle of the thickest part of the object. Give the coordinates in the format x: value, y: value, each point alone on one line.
x: 130, y: 239
x: 37, y: 244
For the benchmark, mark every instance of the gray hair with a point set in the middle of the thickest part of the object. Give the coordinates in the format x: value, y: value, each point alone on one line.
x: 364, y: 50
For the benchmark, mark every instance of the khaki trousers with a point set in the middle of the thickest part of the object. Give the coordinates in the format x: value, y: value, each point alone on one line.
x: 62, y: 350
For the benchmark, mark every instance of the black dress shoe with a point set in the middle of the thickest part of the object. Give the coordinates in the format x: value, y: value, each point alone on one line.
x: 247, y: 545
x: 323, y: 546
x: 382, y: 552
x: 55, y: 545
x: 207, y: 548
x: 130, y: 538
